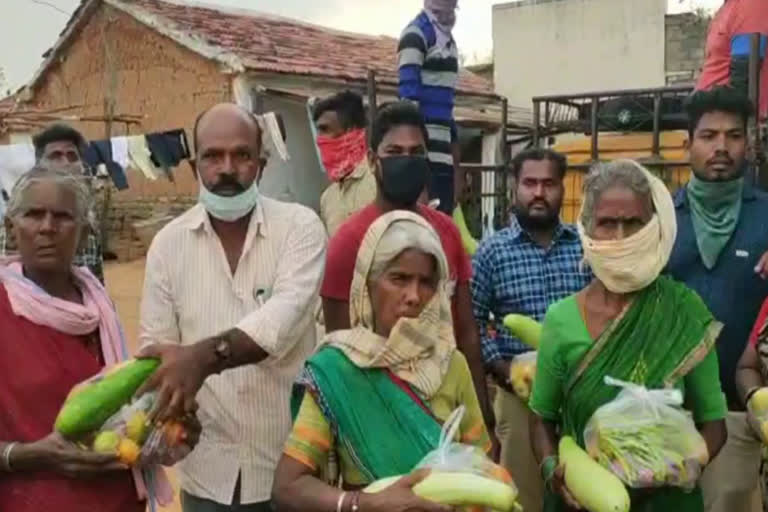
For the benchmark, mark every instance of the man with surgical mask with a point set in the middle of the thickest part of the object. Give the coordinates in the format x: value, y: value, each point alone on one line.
x: 228, y: 306
x: 428, y: 64
x: 341, y: 140
x: 719, y: 253
x: 523, y: 269
x: 398, y: 155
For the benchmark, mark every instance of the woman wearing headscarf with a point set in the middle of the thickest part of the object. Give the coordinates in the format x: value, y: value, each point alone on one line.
x: 378, y: 392
x: 59, y: 328
x: 428, y: 63
x: 631, y: 324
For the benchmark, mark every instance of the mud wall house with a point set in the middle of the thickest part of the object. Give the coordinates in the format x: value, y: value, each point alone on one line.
x: 167, y: 61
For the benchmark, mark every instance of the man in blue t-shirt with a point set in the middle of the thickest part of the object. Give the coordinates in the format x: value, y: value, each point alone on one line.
x: 722, y: 235
x: 428, y: 70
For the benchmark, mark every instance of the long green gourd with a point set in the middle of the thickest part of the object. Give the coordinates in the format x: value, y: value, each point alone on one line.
x: 525, y: 328
x: 469, y: 243
x: 459, y: 490
x: 593, y: 486
x: 92, y: 403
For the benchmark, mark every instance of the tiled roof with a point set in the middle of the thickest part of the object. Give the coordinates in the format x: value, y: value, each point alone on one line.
x: 281, y: 45
x: 261, y: 42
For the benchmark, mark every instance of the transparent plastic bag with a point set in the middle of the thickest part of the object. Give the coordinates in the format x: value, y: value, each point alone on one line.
x: 646, y: 439
x: 136, y: 441
x: 522, y: 371
x: 758, y: 414
x: 452, y: 457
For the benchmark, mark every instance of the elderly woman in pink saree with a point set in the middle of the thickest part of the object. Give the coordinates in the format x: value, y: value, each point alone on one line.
x: 59, y: 328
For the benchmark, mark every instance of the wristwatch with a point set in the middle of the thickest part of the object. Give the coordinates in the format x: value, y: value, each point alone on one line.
x: 223, y: 351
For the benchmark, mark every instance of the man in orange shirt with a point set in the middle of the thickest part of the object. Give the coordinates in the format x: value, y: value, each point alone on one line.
x: 728, y: 46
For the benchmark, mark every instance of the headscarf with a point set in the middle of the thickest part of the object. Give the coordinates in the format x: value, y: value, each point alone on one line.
x: 418, y: 350
x: 632, y: 263
x: 341, y: 155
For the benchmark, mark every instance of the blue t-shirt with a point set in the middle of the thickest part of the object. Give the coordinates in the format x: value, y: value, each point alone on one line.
x: 731, y: 290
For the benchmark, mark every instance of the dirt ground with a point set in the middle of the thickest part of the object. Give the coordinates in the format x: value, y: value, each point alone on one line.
x: 124, y: 282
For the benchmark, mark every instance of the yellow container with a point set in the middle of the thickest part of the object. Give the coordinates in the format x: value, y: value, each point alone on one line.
x: 612, y: 146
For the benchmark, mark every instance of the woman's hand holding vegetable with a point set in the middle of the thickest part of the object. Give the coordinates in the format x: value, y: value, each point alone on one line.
x: 56, y: 454
x: 557, y: 485
x: 399, y: 497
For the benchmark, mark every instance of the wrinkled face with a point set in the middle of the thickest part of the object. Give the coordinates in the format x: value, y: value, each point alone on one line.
x: 718, y: 147
x: 329, y: 125
x: 62, y: 152
x: 403, y: 289
x: 228, y: 160
x: 620, y: 213
x: 47, y: 232
x: 539, y: 194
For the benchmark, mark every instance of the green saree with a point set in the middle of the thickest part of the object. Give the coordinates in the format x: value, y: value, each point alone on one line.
x: 659, y: 340
x: 371, y: 414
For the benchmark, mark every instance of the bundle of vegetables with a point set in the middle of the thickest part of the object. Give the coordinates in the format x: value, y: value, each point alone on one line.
x: 135, y: 441
x: 461, y: 475
x: 98, y: 414
x: 595, y: 488
x: 758, y: 407
x: 646, y: 439
x: 522, y: 371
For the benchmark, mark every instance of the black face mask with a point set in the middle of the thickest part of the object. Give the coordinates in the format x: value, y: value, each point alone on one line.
x: 403, y: 178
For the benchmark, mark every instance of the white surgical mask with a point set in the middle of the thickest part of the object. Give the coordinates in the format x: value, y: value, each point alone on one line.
x: 229, y: 209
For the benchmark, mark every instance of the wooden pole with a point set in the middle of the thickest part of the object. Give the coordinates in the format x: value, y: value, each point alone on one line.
x: 372, y: 95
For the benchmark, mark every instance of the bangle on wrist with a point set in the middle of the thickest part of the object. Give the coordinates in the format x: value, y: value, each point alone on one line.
x: 355, y: 502
x: 5, y: 460
x: 340, y: 503
x: 548, y: 468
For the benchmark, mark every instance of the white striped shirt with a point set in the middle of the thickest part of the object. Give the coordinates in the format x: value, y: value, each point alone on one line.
x: 190, y: 294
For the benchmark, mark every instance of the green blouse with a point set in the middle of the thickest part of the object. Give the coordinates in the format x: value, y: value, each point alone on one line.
x: 565, y: 340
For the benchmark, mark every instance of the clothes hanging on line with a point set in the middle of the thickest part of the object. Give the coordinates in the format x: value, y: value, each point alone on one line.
x: 168, y: 149
x: 15, y: 160
x: 120, y: 151
x: 99, y: 152
x: 151, y: 154
x: 141, y: 157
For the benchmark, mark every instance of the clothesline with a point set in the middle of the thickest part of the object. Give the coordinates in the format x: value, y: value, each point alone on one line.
x: 152, y: 154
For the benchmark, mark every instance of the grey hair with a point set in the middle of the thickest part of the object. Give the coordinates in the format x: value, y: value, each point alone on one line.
x: 64, y: 176
x: 400, y: 237
x: 624, y: 173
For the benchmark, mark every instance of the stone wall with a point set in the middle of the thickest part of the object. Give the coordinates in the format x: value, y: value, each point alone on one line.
x: 686, y: 36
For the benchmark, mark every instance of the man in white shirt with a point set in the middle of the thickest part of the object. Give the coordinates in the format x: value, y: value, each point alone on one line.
x: 228, y: 304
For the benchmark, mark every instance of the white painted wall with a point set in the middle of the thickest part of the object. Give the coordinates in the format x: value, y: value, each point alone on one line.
x: 546, y: 47
x: 300, y: 179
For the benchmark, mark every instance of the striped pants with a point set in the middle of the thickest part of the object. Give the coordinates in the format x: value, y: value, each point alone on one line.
x: 441, y: 165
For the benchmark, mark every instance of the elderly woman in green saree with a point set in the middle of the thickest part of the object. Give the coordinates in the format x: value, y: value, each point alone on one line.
x: 379, y: 392
x: 630, y: 323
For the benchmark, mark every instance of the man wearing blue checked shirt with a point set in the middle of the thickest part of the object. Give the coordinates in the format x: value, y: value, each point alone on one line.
x: 523, y: 269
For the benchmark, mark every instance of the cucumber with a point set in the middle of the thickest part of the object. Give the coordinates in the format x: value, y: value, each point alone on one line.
x: 459, y: 490
x: 594, y: 487
x: 524, y: 328
x: 469, y: 243
x: 92, y: 403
